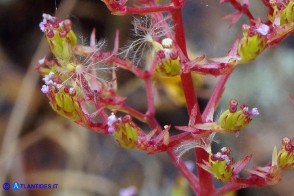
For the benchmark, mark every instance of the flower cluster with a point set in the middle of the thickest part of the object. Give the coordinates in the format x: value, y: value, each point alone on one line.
x: 80, y: 84
x: 71, y: 82
x: 253, y: 42
x: 285, y: 157
x: 232, y: 119
x: 169, y: 63
x: 272, y: 173
x: 60, y: 36
x: 129, y: 135
x: 257, y: 36
x: 223, y: 167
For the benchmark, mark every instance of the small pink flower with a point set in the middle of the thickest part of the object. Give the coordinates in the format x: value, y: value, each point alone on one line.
x: 129, y: 191
x: 254, y: 112
x: 45, y: 89
x: 263, y: 29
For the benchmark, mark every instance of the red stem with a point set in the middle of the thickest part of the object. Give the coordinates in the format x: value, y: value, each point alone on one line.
x: 192, y: 179
x: 205, y: 179
x: 239, y: 183
x: 152, y: 122
x: 186, y: 78
x: 268, y: 5
x: 190, y: 95
x: 150, y: 97
x: 124, y: 64
x: 215, y: 69
x: 230, y: 188
x: 150, y: 114
x: 129, y: 110
x: 191, y: 101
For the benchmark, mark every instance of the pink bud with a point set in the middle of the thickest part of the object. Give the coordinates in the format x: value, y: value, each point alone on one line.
x: 161, y: 54
x: 50, y: 34
x: 126, y: 119
x: 62, y: 33
x: 288, y: 147
x: 66, y: 89
x: 174, y: 55
x: 55, y: 24
x: 254, y: 112
x: 233, y: 105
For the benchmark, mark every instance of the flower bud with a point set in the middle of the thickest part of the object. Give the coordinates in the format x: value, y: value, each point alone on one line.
x: 233, y: 120
x: 287, y: 14
x: 63, y: 100
x: 220, y: 165
x: 282, y: 12
x: 286, y: 154
x: 252, y: 43
x: 59, y: 35
x: 125, y: 132
x: 170, y: 64
x: 267, y: 175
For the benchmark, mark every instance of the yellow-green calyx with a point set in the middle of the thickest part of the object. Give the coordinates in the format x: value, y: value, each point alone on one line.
x: 233, y: 120
x: 169, y: 62
x: 221, y: 170
x: 124, y: 130
x: 63, y: 99
x: 60, y: 37
x: 252, y: 43
x: 66, y: 105
x: 287, y: 15
x: 286, y: 154
x: 282, y: 12
x: 220, y: 165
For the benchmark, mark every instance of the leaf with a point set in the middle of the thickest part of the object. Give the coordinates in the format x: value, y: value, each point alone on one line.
x: 241, y: 164
x: 234, y: 17
x: 187, y: 129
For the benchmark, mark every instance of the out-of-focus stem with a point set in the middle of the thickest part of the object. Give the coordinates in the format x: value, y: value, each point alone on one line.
x: 191, y: 178
x: 240, y: 183
x: 148, y: 10
x: 230, y: 188
x: 150, y: 97
x: 150, y: 113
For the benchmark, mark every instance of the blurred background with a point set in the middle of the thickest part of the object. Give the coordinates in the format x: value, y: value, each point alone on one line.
x: 38, y: 146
